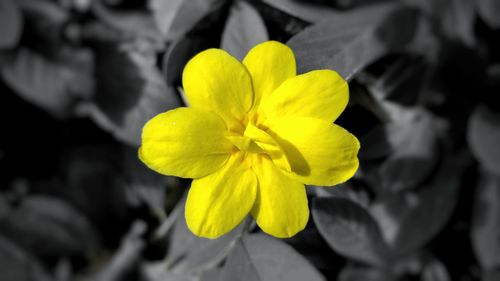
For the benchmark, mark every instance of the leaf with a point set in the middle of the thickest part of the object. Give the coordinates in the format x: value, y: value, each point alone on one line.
x: 4, y: 206
x: 349, y: 230
x: 144, y: 184
x: 352, y: 40
x: 244, y: 29
x: 485, y: 230
x: 130, y: 91
x: 93, y: 182
x: 11, y: 24
x: 156, y: 271
x: 5, y: 58
x: 375, y: 144
x: 492, y: 275
x: 190, y: 253
x: 135, y: 23
x: 489, y: 11
x: 402, y: 80
x: 48, y: 84
x: 127, y: 255
x: 258, y: 257
x: 415, y: 154
x: 305, y: 11
x: 179, y: 53
x: 409, y: 220
x: 454, y: 19
x: 17, y: 265
x: 435, y: 270
x: 282, y: 25
x: 211, y: 274
x: 50, y: 227
x: 108, y: 182
x: 350, y: 190
x: 176, y: 18
x: 387, y: 138
x: 164, y: 13
x: 458, y: 20
x: 46, y: 22
x: 483, y: 136
x: 359, y: 273
x: 46, y: 11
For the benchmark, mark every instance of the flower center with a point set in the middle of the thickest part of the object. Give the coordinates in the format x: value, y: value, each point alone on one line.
x: 253, y: 139
x: 256, y: 140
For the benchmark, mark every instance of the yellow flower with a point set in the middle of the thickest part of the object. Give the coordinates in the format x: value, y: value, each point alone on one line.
x: 254, y: 134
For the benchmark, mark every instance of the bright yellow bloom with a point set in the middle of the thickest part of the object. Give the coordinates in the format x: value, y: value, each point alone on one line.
x: 254, y: 134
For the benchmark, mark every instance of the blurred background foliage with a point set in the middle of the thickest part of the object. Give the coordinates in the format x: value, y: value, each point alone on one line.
x: 79, y: 78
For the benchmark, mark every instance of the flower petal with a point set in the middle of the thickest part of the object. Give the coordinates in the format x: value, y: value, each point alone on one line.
x: 281, y: 206
x: 219, y: 202
x: 319, y: 152
x: 321, y: 94
x: 216, y: 81
x: 185, y: 142
x: 270, y: 64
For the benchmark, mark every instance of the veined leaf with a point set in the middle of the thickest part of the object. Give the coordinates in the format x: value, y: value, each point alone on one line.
x: 303, y: 10
x: 50, y: 227
x: 244, y: 29
x: 192, y: 254
x: 130, y: 91
x: 415, y: 154
x: 176, y: 18
x: 409, y: 220
x: 164, y: 13
x: 134, y: 23
x: 180, y: 52
x: 352, y: 40
x: 48, y: 84
x: 258, y: 257
x: 349, y: 230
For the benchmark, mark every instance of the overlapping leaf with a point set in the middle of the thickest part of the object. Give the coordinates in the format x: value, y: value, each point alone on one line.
x: 17, y: 265
x: 485, y: 231
x: 489, y: 10
x: 176, y: 18
x: 410, y: 220
x: 11, y: 23
x: 135, y: 93
x: 53, y: 86
x: 483, y: 135
x: 189, y: 253
x: 304, y: 11
x: 350, y: 230
x: 244, y: 29
x: 258, y: 257
x: 349, y: 42
x: 50, y: 227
